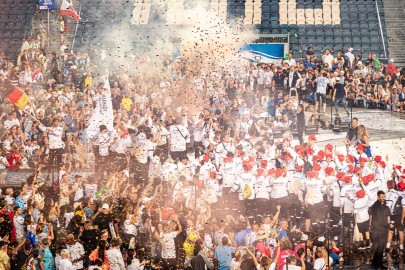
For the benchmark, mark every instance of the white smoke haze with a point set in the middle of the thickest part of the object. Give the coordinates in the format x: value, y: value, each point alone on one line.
x: 206, y: 43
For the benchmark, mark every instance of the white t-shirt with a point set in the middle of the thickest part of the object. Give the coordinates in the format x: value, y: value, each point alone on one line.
x: 322, y: 84
x: 319, y: 264
x: 168, y: 245
x: 115, y: 259
x: 66, y: 264
x: 328, y: 59
x: 90, y: 190
x: 76, y: 251
x: 291, y: 267
x: 179, y: 137
x: 18, y: 222
x: 361, y: 210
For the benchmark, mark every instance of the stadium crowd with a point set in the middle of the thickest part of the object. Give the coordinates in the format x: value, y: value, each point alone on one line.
x: 192, y: 175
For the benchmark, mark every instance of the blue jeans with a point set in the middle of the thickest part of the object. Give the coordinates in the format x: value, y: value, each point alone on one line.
x: 340, y: 100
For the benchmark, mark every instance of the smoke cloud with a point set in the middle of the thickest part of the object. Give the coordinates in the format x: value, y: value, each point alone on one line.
x: 206, y: 42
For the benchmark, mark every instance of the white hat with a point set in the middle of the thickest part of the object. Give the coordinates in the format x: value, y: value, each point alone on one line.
x: 337, y: 78
x: 350, y: 49
x: 105, y: 206
x: 391, y: 60
x: 359, y: 63
x: 321, y: 239
x: 304, y: 237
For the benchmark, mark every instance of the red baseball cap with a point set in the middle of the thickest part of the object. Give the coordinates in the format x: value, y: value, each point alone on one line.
x: 260, y: 171
x: 312, y: 174
x: 362, y: 160
x: 377, y: 158
x: 279, y: 172
x: 312, y: 137
x: 360, y: 193
x: 317, y: 167
x: 329, y: 147
x: 340, y: 175
x: 329, y: 170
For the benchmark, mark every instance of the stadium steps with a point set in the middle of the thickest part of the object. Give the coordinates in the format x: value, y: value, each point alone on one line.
x: 394, y: 18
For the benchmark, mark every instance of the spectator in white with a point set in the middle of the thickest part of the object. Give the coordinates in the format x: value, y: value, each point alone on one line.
x: 11, y: 121
x: 179, y: 138
x: 328, y: 58
x: 142, y: 152
x: 56, y: 144
x: 224, y: 148
x: 114, y: 255
x: 9, y: 198
x: 350, y: 56
x: 76, y: 251
x: 18, y: 222
x: 293, y: 77
x: 65, y: 193
x: 167, y: 240
x: 65, y: 263
x: 322, y: 83
x: 291, y: 263
x: 3, y: 161
x: 78, y: 186
x: 103, y: 139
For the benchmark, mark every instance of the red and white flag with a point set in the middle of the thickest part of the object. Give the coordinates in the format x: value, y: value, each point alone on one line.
x: 67, y: 9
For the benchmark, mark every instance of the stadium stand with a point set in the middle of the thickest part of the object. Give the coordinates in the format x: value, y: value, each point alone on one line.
x: 334, y: 24
x: 15, y: 24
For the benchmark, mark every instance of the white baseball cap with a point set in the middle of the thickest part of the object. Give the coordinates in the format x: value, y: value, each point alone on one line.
x: 105, y: 206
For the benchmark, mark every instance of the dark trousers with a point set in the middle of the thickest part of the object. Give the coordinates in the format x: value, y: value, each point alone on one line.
x: 55, y: 157
x: 178, y: 155
x: 198, y: 149
x: 379, y: 243
x: 301, y: 136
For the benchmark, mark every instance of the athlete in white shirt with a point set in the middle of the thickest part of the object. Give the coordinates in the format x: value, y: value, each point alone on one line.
x: 179, y: 137
x: 56, y: 145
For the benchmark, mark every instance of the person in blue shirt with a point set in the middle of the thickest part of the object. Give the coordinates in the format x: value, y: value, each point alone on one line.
x: 283, y: 226
x: 223, y: 253
x: 47, y: 259
x: 271, y: 107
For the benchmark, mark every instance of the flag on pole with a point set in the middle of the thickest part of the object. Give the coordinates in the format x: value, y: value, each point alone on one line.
x: 67, y: 9
x: 16, y: 96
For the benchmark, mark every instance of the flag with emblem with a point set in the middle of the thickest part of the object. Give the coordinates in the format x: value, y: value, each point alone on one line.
x: 67, y: 9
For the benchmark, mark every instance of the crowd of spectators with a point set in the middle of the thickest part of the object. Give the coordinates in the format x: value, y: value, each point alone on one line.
x: 192, y: 174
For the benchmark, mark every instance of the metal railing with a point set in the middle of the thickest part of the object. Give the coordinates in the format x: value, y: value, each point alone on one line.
x: 381, y: 31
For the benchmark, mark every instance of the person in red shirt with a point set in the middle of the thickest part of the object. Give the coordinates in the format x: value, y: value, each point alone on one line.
x: 391, y: 68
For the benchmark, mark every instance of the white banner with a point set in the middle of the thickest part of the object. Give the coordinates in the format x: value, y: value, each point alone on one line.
x: 103, y: 112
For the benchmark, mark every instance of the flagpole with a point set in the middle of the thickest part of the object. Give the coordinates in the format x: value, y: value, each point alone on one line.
x: 48, y: 34
x: 77, y: 25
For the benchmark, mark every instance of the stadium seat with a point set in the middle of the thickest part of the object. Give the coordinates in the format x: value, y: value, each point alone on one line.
x: 347, y: 40
x: 356, y: 40
x: 338, y: 40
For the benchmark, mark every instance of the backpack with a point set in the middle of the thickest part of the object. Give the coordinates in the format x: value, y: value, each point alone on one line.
x: 398, y: 207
